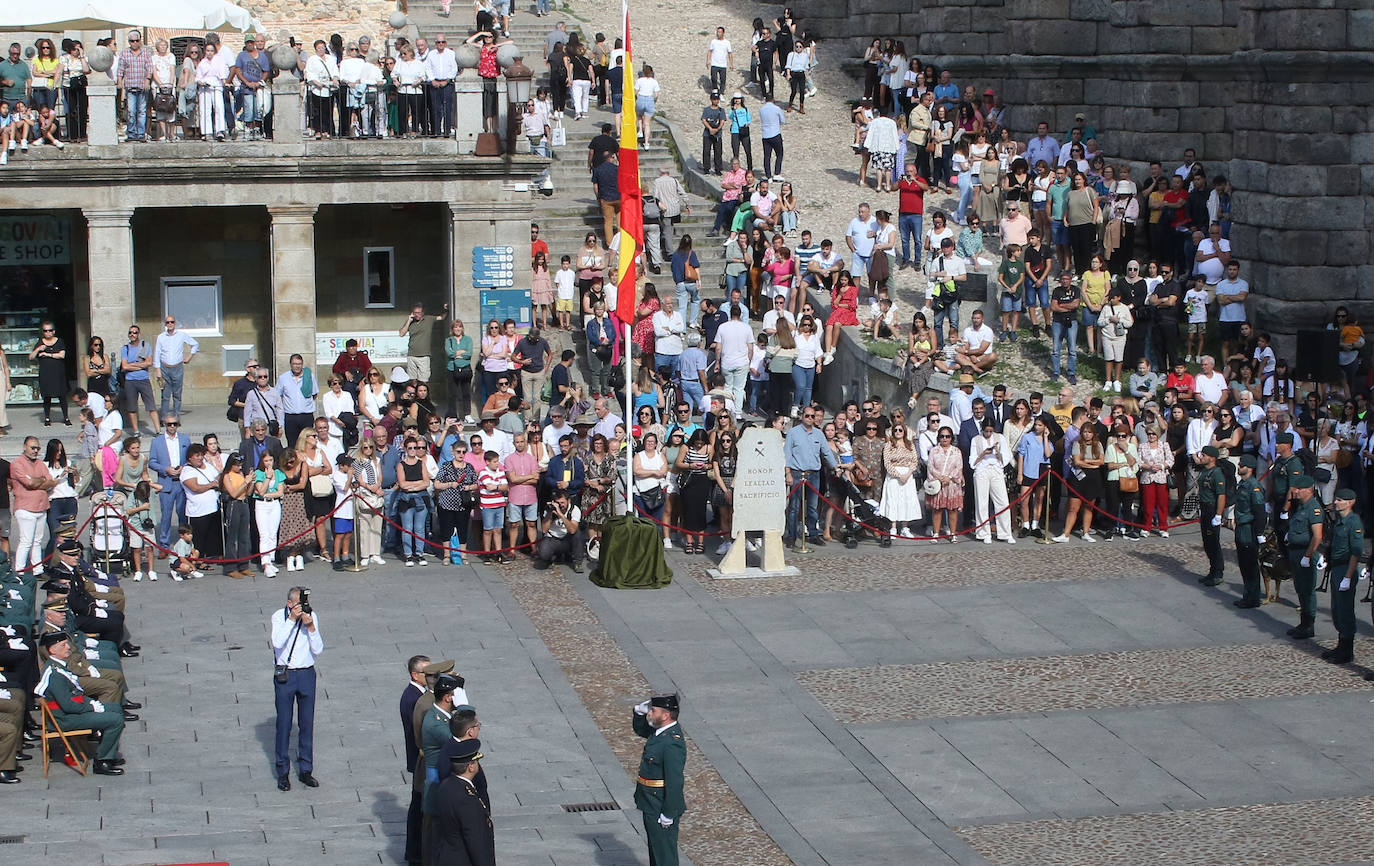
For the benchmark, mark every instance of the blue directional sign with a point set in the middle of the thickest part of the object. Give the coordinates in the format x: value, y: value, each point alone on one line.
x: 493, y: 267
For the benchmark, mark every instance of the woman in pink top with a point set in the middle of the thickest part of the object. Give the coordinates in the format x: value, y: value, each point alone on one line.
x: 30, y: 481
x: 783, y: 271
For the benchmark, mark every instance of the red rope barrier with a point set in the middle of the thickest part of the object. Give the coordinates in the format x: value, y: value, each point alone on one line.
x: 991, y: 518
x: 1094, y: 507
x: 33, y: 566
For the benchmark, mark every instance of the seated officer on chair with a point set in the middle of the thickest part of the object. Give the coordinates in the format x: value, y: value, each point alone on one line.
x: 72, y: 709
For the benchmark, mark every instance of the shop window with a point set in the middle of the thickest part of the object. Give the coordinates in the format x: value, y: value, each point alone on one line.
x: 379, y: 277
x: 233, y: 358
x: 195, y: 303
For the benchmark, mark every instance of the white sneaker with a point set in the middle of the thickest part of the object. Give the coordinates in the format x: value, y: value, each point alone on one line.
x: 830, y: 356
x: 1164, y: 533
x: 270, y: 570
x: 1010, y: 539
x: 420, y: 560
x: 300, y: 562
x: 176, y: 575
x: 906, y: 532
x: 723, y: 548
x: 1116, y: 386
x: 138, y: 575
x: 24, y: 146
x: 469, y: 420
x: 4, y: 157
x: 197, y: 574
x: 987, y: 539
x: 59, y: 144
x: 152, y: 575
x: 1088, y: 537
x: 667, y: 544
x: 1060, y: 539
x: 376, y: 560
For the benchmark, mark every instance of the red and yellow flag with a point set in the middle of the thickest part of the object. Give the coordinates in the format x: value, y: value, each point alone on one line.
x: 631, y: 200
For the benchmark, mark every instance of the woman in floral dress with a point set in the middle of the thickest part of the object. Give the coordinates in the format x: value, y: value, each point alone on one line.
x: 946, y: 465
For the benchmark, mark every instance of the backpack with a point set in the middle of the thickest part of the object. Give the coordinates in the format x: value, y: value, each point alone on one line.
x: 1310, y: 466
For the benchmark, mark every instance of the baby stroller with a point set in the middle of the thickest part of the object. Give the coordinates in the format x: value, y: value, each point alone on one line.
x: 857, y: 510
x: 109, y: 536
x: 1188, y: 506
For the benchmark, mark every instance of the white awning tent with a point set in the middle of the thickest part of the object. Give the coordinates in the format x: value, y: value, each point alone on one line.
x: 50, y: 16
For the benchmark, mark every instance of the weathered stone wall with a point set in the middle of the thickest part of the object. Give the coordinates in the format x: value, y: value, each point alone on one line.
x: 309, y: 20
x: 1275, y: 96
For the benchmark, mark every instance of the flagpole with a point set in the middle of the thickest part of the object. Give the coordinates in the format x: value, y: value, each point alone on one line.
x: 631, y: 243
x: 629, y: 427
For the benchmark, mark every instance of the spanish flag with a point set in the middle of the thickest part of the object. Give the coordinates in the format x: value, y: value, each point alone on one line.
x: 631, y: 203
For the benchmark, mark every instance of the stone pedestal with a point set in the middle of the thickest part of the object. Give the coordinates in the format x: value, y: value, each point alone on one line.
x: 286, y: 109
x: 111, y: 256
x: 736, y: 566
x: 467, y: 98
x: 293, y: 285
x: 102, y: 129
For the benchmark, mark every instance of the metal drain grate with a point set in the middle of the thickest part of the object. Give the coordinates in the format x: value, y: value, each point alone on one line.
x: 12, y: 839
x: 608, y: 806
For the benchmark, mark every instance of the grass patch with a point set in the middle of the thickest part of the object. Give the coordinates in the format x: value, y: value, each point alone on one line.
x: 881, y: 349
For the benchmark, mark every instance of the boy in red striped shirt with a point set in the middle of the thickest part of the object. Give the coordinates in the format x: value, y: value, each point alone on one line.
x: 493, y: 487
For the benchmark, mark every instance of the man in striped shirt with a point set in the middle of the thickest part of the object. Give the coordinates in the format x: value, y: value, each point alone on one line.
x: 493, y: 487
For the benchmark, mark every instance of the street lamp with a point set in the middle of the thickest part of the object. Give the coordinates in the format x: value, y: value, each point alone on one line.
x: 518, y: 79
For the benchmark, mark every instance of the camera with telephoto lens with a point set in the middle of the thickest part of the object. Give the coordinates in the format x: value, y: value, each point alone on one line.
x: 305, y: 601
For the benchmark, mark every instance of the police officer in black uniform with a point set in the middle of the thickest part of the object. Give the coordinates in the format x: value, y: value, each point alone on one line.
x: 464, y: 835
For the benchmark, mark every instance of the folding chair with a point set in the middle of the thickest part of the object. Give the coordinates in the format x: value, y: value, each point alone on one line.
x: 76, y: 756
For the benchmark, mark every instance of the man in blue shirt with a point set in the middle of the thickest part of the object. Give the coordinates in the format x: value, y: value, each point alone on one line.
x: 691, y: 370
x: 771, y: 121
x: 803, y: 452
x: 248, y: 72
x: 946, y: 93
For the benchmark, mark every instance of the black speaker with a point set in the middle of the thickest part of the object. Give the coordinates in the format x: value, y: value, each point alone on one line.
x: 1316, y: 356
x: 974, y: 288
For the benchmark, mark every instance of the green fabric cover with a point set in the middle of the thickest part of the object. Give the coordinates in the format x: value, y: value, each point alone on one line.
x: 631, y: 555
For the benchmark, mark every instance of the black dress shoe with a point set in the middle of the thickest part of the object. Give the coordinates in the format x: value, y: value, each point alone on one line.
x: 132, y: 705
x: 130, y: 717
x: 9, y: 777
x: 284, y: 782
x: 23, y: 756
x: 31, y: 737
x: 132, y: 646
x: 105, y: 768
x: 308, y: 780
x: 127, y: 653
x: 1246, y: 604
x: 815, y: 541
x: 115, y: 762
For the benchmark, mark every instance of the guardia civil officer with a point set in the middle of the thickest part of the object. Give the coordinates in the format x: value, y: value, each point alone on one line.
x: 1347, y: 546
x: 1304, y: 537
x: 1211, y: 495
x: 1250, y: 522
x: 658, y: 790
x: 464, y: 835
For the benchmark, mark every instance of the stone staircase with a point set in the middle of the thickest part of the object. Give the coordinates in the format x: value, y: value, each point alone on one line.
x: 565, y: 217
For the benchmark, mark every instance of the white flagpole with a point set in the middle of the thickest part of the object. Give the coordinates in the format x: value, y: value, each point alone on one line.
x: 629, y: 426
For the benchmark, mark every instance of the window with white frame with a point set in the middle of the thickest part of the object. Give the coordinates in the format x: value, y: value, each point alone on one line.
x: 196, y: 304
x: 379, y: 277
x: 232, y: 359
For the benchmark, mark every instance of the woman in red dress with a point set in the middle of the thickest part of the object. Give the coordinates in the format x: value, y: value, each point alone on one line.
x: 844, y: 310
x: 643, y: 333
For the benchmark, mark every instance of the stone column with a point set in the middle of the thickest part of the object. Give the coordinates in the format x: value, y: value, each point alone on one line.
x: 102, y: 129
x: 111, y: 262
x: 286, y: 109
x: 293, y: 285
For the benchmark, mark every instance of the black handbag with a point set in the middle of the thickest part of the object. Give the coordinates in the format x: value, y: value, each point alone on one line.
x: 653, y: 498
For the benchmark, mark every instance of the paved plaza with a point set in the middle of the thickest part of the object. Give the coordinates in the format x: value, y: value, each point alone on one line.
x: 924, y: 704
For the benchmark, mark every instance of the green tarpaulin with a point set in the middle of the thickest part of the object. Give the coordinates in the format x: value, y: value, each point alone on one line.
x: 631, y: 555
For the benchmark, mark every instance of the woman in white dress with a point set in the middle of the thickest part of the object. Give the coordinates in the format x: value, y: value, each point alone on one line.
x: 901, y: 502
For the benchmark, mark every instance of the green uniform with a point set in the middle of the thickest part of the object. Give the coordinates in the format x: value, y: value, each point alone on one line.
x: 1301, y: 518
x: 658, y: 791
x: 1347, y: 545
x: 1286, y: 470
x: 434, y: 732
x: 1250, y: 522
x: 1211, y: 487
x: 13, y: 704
x: 73, y: 709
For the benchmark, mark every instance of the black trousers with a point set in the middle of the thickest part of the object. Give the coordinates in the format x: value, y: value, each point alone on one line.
x: 741, y: 140
x: 766, y: 80
x: 1211, y: 540
x: 772, y: 148
x: 710, y: 147
x: 798, y: 94
x: 718, y: 74
x: 1167, y: 333
x: 295, y: 423
x: 569, y: 547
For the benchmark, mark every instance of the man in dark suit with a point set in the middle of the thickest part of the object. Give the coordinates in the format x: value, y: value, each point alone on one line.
x: 258, y: 443
x: 414, y: 688
x: 166, y: 457
x: 999, y: 408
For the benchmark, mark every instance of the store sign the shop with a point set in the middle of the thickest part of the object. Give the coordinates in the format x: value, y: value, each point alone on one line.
x: 35, y: 239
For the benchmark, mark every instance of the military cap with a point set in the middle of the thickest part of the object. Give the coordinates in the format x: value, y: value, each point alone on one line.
x: 467, y: 751
x: 1249, y: 460
x: 1345, y: 493
x: 1284, y: 438
x: 54, y: 584
x: 52, y: 637
x: 66, y: 526
x: 664, y: 702
x: 447, y: 683
x: 71, y: 545
x: 1211, y: 451
x: 55, y: 603
x: 433, y: 669
x: 1303, y: 481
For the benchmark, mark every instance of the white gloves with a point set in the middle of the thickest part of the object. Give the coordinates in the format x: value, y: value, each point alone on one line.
x: 642, y: 709
x: 1306, y: 561
x: 5, y: 694
x: 98, y: 706
x: 92, y: 655
x: 14, y: 594
x: 101, y: 588
x: 1283, y: 516
x: 1216, y: 520
x: 1259, y: 539
x: 1345, y: 584
x: 101, y: 613
x: 17, y: 643
x: 664, y: 820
